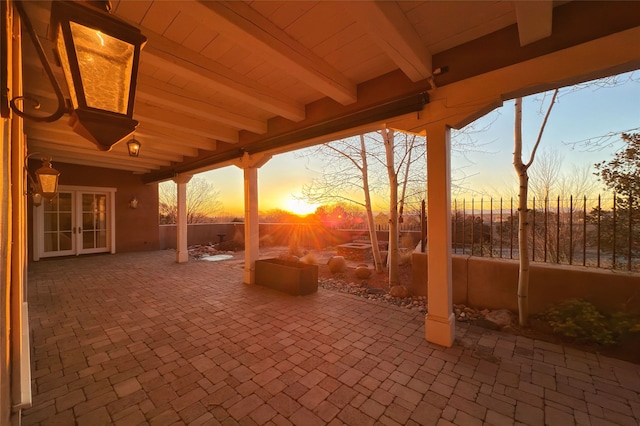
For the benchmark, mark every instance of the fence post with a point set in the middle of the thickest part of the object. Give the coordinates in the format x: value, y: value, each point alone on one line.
x: 533, y: 232
x: 511, y: 232
x: 473, y: 225
x: 558, y: 231
x: 491, y: 227
x: 598, y: 232
x: 455, y: 226
x: 613, y: 249
x: 584, y: 231
x: 630, y: 232
x: 546, y: 225
x: 571, y: 230
x: 423, y: 226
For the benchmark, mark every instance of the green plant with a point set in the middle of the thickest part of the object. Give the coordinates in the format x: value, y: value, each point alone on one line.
x: 581, y: 320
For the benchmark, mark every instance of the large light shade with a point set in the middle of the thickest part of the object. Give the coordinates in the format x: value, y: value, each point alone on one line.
x: 99, y: 55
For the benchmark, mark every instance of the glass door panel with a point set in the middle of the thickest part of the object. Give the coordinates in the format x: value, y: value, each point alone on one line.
x: 76, y: 221
x: 94, y: 222
x: 57, y: 225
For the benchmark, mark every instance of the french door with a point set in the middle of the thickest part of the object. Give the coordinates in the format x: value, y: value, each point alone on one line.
x: 79, y: 220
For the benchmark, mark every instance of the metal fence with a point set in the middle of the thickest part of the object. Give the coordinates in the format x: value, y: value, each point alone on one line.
x: 603, y: 232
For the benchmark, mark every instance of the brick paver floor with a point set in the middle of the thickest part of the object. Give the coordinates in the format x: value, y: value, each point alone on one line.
x: 133, y: 339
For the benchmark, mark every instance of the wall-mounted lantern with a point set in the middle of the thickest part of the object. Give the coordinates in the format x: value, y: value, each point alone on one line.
x: 133, y: 203
x: 45, y: 184
x: 99, y: 55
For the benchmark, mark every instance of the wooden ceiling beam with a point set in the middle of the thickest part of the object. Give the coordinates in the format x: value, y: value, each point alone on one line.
x: 155, y: 91
x: 64, y: 155
x: 174, y: 137
x: 152, y: 114
x: 155, y: 137
x: 244, y: 25
x: 166, y: 54
x: 389, y: 27
x: 73, y: 141
x: 534, y: 20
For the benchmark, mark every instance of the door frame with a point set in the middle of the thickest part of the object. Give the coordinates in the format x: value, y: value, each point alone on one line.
x: 38, y: 225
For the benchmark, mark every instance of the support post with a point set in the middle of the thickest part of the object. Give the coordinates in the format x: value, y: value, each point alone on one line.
x: 250, y: 165
x: 440, y: 320
x: 182, y: 252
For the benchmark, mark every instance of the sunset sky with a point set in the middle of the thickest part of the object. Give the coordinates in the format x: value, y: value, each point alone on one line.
x: 578, y: 115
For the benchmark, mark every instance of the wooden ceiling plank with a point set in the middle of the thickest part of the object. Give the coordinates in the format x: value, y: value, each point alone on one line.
x: 388, y: 26
x: 159, y: 142
x: 164, y: 53
x: 173, y: 137
x: 152, y: 90
x: 154, y: 139
x: 111, y: 157
x: 534, y: 20
x: 249, y: 28
x: 65, y: 156
x: 61, y: 140
x: 190, y: 125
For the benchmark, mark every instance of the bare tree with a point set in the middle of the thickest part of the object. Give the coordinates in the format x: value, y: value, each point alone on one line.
x: 523, y: 222
x: 202, y: 201
x: 388, y: 136
x: 372, y: 163
x: 346, y: 175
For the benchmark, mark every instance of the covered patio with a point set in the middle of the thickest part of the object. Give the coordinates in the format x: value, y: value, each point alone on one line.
x: 132, y: 339
x: 225, y: 84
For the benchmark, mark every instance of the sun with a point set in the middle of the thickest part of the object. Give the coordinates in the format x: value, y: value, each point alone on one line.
x: 300, y: 207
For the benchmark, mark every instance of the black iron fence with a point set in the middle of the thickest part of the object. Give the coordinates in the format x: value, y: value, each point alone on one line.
x: 603, y: 232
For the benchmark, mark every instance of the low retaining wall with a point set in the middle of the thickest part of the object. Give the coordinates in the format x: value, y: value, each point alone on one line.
x: 492, y: 283
x: 308, y: 235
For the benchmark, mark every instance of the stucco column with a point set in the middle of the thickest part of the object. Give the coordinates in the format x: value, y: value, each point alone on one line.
x: 250, y: 165
x: 440, y: 320
x: 182, y: 252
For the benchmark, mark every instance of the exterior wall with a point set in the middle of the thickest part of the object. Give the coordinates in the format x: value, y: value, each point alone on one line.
x: 136, y: 229
x: 201, y: 233
x: 492, y: 283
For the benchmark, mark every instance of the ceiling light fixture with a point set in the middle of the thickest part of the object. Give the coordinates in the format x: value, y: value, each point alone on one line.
x: 134, y: 147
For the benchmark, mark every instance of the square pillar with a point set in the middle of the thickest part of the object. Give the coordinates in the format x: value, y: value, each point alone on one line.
x: 440, y: 320
x: 182, y: 251
x: 250, y: 165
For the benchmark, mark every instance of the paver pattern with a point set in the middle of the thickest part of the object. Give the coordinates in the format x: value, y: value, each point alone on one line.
x: 137, y: 339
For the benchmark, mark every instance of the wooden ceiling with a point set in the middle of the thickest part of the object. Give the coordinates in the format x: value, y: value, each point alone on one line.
x: 218, y: 79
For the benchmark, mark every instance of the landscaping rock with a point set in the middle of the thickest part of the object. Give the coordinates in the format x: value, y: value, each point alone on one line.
x: 362, y: 272
x: 289, y: 258
x: 501, y: 317
x: 337, y: 264
x: 399, y: 291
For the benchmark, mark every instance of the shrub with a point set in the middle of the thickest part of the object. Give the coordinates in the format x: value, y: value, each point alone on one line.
x: 266, y: 241
x: 309, y: 259
x: 581, y: 320
x: 405, y: 258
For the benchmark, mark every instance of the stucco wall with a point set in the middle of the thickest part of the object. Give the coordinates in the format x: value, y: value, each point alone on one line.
x: 492, y: 283
x: 136, y: 229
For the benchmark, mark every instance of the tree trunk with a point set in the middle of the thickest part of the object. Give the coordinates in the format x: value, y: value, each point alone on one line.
x: 523, y: 216
x: 523, y: 223
x: 394, y: 274
x: 405, y: 179
x: 373, y: 236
